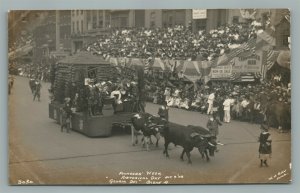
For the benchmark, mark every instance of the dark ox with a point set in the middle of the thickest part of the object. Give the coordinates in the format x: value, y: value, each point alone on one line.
x: 147, y: 125
x: 189, y: 137
x: 278, y: 114
x: 209, y: 142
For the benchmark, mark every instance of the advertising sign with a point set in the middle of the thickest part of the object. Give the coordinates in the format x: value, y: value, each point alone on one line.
x: 199, y: 13
x: 221, y: 72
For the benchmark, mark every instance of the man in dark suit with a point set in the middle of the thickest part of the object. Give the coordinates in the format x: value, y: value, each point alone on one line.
x: 37, y: 90
x: 163, y: 111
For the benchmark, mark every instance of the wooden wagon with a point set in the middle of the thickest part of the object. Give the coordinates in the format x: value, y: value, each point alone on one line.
x: 70, y: 74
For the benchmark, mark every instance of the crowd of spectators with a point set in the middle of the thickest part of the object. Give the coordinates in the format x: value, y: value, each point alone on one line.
x: 37, y: 71
x: 247, y: 102
x: 18, y: 43
x: 173, y: 43
x: 181, y: 43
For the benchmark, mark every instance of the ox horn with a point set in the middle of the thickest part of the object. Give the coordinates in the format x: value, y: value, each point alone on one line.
x: 194, y: 134
x: 206, y: 136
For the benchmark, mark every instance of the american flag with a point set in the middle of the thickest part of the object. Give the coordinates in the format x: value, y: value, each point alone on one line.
x: 247, y: 46
x: 257, y: 75
x: 148, y: 64
x: 234, y: 75
x: 248, y: 77
x: 271, y: 57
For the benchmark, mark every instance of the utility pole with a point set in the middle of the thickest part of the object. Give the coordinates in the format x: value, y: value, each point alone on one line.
x: 104, y: 21
x: 57, y: 31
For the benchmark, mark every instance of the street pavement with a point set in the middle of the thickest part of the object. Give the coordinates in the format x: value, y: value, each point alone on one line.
x: 40, y: 154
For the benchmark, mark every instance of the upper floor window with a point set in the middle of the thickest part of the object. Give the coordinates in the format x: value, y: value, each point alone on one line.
x: 251, y: 62
x: 235, y: 19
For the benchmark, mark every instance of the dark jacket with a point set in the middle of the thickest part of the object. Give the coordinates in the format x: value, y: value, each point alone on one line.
x: 213, y: 126
x: 163, y: 112
x: 67, y: 110
x: 265, y: 141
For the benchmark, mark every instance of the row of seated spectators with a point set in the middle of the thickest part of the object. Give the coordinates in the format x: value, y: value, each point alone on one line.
x: 186, y: 97
x: 173, y: 43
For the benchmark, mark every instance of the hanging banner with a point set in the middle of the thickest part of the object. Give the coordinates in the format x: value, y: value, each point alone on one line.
x: 136, y: 62
x: 158, y: 64
x: 192, y: 78
x: 113, y: 61
x: 221, y: 72
x: 199, y: 13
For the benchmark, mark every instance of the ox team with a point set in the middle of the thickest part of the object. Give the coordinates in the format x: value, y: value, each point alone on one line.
x: 189, y: 137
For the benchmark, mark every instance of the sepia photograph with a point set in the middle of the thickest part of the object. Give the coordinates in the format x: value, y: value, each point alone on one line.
x: 149, y: 96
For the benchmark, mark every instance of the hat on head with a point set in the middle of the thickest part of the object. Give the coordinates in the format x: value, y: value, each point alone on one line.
x: 67, y: 99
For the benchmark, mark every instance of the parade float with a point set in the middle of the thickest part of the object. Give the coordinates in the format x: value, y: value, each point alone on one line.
x: 73, y: 77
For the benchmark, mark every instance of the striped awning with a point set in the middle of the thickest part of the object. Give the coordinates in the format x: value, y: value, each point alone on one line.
x: 244, y: 77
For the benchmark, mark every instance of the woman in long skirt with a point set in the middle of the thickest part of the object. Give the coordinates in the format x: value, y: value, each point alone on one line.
x: 265, y: 146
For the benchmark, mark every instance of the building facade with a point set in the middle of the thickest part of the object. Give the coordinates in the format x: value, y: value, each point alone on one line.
x: 280, y: 20
x: 153, y: 18
x: 52, y: 35
x: 87, y: 25
x: 282, y: 34
x: 174, y: 17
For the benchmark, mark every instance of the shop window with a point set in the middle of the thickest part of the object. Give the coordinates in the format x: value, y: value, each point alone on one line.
x: 251, y: 62
x: 152, y: 24
x: 77, y: 26
x: 235, y: 19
